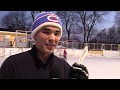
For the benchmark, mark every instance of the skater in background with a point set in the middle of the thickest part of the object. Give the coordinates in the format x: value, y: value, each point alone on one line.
x: 65, y: 54
x: 40, y: 62
x: 11, y: 43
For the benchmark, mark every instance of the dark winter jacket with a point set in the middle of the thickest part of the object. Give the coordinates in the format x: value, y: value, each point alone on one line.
x: 26, y: 65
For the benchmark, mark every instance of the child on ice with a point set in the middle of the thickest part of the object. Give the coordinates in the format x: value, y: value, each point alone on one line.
x: 65, y: 54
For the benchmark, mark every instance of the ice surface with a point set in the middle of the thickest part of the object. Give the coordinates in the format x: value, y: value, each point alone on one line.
x: 100, y: 67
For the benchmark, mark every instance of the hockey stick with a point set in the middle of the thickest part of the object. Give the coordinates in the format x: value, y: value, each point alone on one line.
x: 83, y: 55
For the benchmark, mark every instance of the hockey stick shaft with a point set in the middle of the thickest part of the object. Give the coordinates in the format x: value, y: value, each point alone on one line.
x: 83, y: 55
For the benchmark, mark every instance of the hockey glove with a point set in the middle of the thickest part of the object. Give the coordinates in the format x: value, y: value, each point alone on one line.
x: 79, y: 71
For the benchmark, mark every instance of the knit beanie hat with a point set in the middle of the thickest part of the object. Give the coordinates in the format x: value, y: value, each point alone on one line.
x: 45, y: 19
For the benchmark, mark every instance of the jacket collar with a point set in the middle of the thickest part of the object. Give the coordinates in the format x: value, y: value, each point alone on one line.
x: 38, y: 61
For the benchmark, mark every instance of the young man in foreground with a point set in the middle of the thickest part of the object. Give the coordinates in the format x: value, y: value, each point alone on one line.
x: 40, y: 62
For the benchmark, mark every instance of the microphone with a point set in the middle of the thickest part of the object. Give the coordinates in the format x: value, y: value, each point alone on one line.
x: 55, y: 73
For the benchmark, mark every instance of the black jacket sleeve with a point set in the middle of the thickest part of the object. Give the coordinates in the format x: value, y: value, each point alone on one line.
x: 6, y: 70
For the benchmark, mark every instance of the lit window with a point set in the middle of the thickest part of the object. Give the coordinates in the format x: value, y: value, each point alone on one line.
x: 1, y: 38
x: 23, y: 40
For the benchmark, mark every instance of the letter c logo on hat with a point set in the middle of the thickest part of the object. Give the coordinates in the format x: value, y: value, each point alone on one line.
x: 53, y: 18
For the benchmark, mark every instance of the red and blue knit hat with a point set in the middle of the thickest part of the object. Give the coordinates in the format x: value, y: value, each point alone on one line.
x: 45, y: 19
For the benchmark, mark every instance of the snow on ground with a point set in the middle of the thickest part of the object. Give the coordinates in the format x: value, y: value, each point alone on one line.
x: 99, y: 67
x: 2, y: 60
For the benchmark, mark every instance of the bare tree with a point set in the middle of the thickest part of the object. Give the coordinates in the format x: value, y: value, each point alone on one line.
x: 88, y: 20
x: 17, y: 19
x: 33, y: 15
x: 102, y: 36
x: 113, y: 35
x: 69, y: 21
x: 93, y: 33
x: 117, y: 19
x: 117, y: 25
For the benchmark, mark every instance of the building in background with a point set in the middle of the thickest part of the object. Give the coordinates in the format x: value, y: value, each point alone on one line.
x: 14, y: 39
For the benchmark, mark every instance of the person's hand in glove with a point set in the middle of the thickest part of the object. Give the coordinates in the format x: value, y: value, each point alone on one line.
x: 79, y: 71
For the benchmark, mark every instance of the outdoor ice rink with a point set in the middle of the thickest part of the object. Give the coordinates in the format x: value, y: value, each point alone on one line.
x: 99, y: 67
